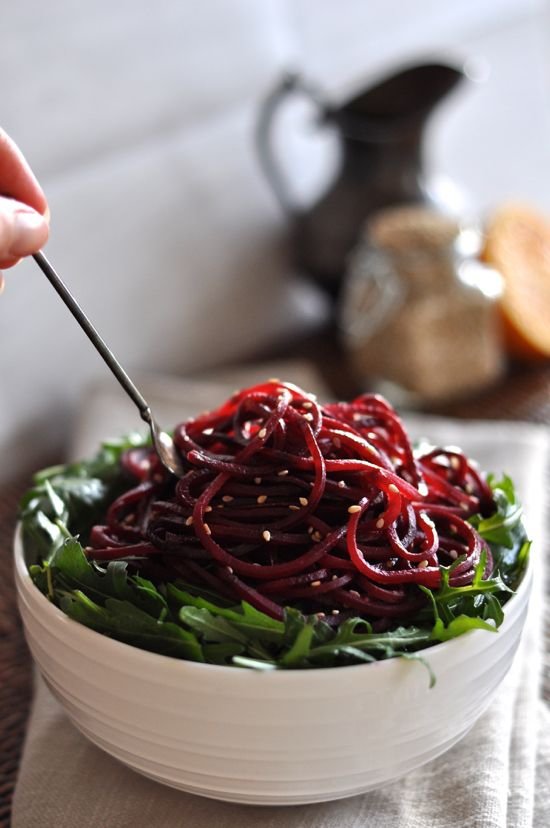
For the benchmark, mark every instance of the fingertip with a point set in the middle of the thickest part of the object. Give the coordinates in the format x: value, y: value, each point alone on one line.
x: 9, y: 261
x: 22, y: 231
x: 30, y: 233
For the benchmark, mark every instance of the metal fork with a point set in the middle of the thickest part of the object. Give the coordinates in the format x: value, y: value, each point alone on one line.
x: 162, y: 442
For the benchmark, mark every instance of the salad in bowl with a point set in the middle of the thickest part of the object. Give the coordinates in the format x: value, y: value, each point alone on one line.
x: 290, y: 578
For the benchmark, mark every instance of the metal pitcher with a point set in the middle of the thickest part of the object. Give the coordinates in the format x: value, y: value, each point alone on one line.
x: 381, y: 135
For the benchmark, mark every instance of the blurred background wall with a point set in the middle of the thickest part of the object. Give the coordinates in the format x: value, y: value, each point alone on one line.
x: 138, y: 119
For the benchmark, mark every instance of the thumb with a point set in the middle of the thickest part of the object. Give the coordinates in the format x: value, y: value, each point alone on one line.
x: 22, y: 231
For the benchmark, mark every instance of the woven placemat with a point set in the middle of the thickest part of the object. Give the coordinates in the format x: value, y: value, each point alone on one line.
x: 523, y: 395
x: 15, y: 662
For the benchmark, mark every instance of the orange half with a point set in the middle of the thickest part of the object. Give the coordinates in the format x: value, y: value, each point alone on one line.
x: 518, y: 246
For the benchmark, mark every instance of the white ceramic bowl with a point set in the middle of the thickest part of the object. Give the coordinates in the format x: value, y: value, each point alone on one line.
x: 274, y: 738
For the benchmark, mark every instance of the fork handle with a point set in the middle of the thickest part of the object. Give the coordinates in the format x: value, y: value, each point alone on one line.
x: 96, y: 340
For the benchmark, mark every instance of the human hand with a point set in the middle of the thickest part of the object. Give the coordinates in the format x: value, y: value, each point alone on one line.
x: 24, y: 213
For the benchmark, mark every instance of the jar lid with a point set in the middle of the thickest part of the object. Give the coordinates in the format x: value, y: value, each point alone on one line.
x: 411, y: 227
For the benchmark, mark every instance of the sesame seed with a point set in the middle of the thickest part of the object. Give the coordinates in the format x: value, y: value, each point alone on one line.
x: 189, y: 521
x: 379, y: 523
x: 207, y: 528
x: 423, y: 564
x: 220, y: 505
x: 227, y: 498
x: 316, y: 536
x: 453, y: 530
x: 274, y: 379
x: 469, y: 488
x: 208, y: 431
x: 390, y: 563
x: 357, y: 417
x: 453, y: 554
x: 307, y: 404
x: 342, y: 484
x: 455, y: 462
x: 208, y: 508
x: 266, y: 535
x: 261, y: 499
x: 334, y: 578
x: 308, y: 417
x: 393, y: 488
x: 309, y: 528
x: 282, y: 473
x: 229, y: 569
x: 257, y: 480
x: 321, y: 615
x: 354, y: 593
x: 354, y: 509
x: 315, y: 583
x: 337, y: 442
x: 262, y: 433
x: 303, y: 501
x: 293, y: 508
x: 335, y: 612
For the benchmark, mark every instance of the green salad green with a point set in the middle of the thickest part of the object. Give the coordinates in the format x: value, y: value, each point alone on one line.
x: 180, y: 620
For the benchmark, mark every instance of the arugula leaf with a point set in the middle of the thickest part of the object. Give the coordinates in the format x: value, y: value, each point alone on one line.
x: 458, y: 626
x: 504, y: 531
x: 214, y: 627
x: 459, y: 609
x: 247, y: 619
x: 424, y: 662
x: 301, y: 647
x: 126, y: 622
x: 75, y: 494
x: 386, y: 644
x: 76, y: 572
x: 224, y: 654
x: 211, y: 627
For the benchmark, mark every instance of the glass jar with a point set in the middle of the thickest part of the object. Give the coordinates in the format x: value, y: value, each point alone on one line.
x: 420, y: 310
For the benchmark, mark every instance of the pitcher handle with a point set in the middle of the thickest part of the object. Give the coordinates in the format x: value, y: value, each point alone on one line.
x: 290, y: 84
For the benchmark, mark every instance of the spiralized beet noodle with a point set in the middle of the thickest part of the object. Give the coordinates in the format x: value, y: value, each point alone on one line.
x: 289, y: 503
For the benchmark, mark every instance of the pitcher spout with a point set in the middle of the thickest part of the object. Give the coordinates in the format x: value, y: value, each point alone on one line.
x: 396, y: 104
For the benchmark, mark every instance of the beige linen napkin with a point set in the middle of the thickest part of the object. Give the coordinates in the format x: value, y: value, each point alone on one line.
x: 498, y: 776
